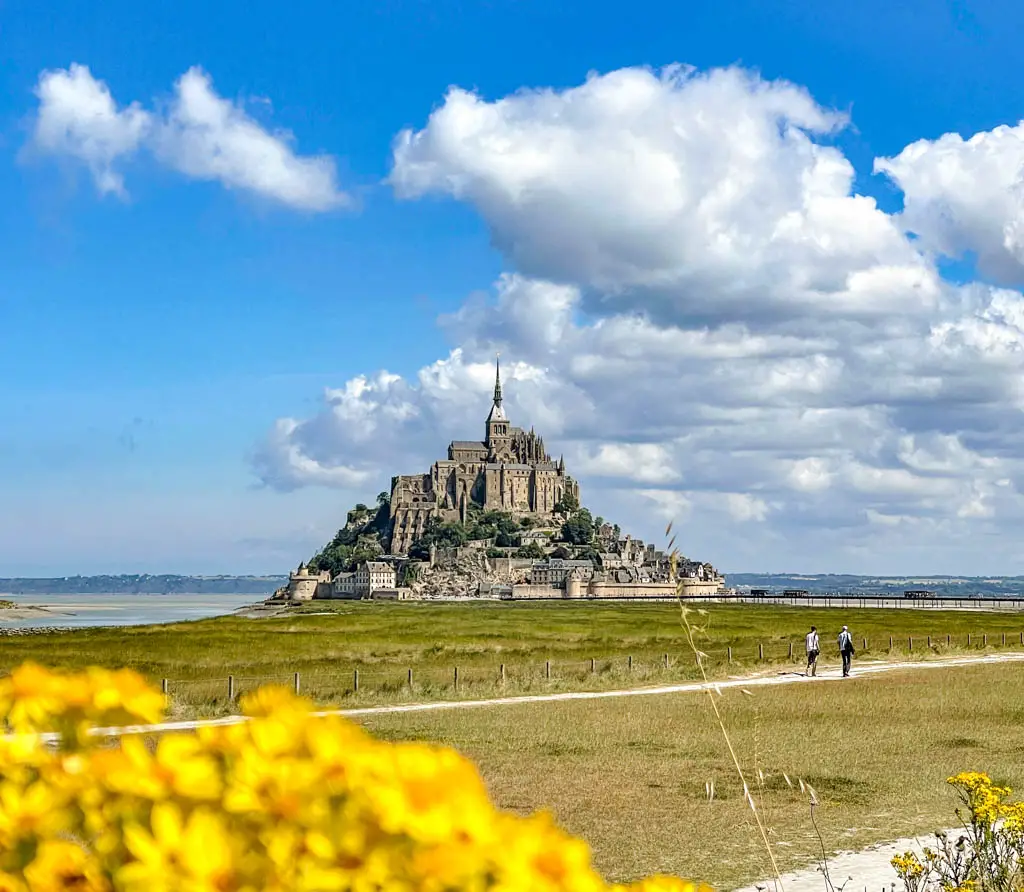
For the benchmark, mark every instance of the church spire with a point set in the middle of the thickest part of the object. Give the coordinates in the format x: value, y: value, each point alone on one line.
x: 497, y: 380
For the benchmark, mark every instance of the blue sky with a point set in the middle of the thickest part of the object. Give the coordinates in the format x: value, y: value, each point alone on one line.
x: 149, y: 343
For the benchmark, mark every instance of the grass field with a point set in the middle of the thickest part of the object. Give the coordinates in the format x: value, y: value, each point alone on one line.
x: 383, y: 641
x: 629, y: 775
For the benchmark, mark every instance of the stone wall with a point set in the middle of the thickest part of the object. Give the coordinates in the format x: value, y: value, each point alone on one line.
x: 533, y: 592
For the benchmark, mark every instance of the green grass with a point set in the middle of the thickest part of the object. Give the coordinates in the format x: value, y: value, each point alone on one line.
x: 384, y: 640
x: 628, y: 775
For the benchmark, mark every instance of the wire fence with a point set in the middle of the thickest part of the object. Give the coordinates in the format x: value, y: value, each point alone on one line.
x: 361, y: 682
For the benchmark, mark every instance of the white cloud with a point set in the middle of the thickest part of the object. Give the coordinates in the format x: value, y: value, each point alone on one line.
x: 78, y: 118
x: 200, y: 134
x: 687, y: 195
x: 966, y: 195
x: 714, y: 329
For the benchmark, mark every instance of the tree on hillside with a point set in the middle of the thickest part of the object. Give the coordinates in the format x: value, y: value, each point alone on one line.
x: 579, y: 528
x: 562, y: 553
x: 531, y: 550
x: 567, y: 504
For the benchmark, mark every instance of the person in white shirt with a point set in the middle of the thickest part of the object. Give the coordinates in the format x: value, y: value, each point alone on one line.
x: 812, y: 651
x: 845, y: 643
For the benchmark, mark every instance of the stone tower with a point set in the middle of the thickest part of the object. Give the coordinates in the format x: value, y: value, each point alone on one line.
x: 497, y: 438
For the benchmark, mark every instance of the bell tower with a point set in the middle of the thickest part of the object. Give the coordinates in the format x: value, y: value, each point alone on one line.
x: 498, y: 440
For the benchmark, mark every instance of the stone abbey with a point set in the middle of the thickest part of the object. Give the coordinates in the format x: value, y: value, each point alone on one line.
x: 509, y: 470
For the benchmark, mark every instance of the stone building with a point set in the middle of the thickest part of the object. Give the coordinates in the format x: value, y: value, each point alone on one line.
x: 373, y: 576
x: 555, y: 571
x: 304, y: 586
x: 508, y: 470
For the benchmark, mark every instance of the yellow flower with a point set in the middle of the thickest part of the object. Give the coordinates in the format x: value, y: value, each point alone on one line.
x: 60, y: 865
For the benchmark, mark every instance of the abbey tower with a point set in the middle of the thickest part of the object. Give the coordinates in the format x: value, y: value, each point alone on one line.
x: 508, y: 470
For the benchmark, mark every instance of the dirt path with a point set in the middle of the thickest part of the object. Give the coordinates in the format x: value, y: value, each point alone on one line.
x: 826, y: 676
x: 869, y: 869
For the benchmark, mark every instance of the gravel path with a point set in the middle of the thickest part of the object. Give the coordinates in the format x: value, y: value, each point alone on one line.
x: 868, y: 869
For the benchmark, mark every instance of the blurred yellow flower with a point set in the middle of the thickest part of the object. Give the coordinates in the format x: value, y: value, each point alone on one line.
x: 284, y: 802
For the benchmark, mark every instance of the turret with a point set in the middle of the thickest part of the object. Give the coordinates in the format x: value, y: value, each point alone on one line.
x: 497, y: 420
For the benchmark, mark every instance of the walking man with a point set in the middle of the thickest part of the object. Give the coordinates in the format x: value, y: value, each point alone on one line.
x: 812, y: 651
x: 846, y: 649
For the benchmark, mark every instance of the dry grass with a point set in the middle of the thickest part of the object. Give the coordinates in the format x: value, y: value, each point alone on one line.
x: 629, y: 775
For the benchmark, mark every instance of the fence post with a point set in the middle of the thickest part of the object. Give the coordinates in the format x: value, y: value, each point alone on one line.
x: 231, y: 689
x: 355, y: 680
x: 791, y: 650
x: 968, y: 639
x: 984, y: 640
x: 409, y: 677
x: 910, y: 643
x: 929, y: 641
x: 629, y: 660
x: 947, y: 641
x: 864, y: 644
x: 503, y: 673
x: 730, y: 651
x: 296, y: 682
x: 456, y: 678
x: 666, y: 661
x: 163, y: 686
x: 547, y: 668
x: 591, y: 665
x: 760, y: 650
x: 890, y: 642
x: 1004, y: 639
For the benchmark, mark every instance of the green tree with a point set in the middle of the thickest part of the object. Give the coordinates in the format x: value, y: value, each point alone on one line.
x: 530, y: 550
x: 567, y: 504
x: 579, y: 528
x: 562, y: 553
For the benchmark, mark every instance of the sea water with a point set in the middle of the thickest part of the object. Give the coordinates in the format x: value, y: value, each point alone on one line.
x: 123, y: 609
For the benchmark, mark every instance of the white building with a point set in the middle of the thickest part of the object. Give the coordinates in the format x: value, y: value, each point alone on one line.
x: 368, y: 578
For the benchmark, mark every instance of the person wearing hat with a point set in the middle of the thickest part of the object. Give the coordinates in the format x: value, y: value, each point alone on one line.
x: 846, y: 650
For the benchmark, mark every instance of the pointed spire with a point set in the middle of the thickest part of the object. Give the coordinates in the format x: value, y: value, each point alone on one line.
x: 497, y: 380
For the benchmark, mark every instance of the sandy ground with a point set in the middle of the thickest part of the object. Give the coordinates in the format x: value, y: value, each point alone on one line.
x: 27, y: 611
x: 868, y: 869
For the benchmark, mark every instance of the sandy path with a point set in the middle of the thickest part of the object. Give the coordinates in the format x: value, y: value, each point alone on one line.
x: 826, y: 676
x: 868, y: 869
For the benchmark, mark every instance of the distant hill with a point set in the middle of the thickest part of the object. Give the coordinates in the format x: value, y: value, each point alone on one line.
x: 143, y: 584
x: 962, y: 586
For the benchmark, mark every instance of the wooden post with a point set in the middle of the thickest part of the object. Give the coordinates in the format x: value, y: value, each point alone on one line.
x: 791, y: 650
x: 297, y: 683
x: 456, y: 678
x: 355, y: 679
x: 502, y: 673
x: 163, y: 686
x: 947, y: 641
x: 1004, y: 639
x: 968, y: 639
x: 408, y: 676
x: 760, y: 650
x: 864, y: 644
x: 666, y: 661
x: 984, y: 640
x: 231, y: 689
x: 910, y: 643
x: 629, y: 659
x: 929, y: 640
x: 547, y: 668
x: 890, y: 642
x: 730, y: 653
x: 591, y: 665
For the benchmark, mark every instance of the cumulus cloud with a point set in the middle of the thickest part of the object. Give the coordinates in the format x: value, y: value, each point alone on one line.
x: 199, y: 134
x: 78, y: 118
x: 966, y: 196
x: 712, y: 326
x: 684, y: 194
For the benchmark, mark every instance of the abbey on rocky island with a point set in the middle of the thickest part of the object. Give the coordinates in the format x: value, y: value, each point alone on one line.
x: 508, y: 470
